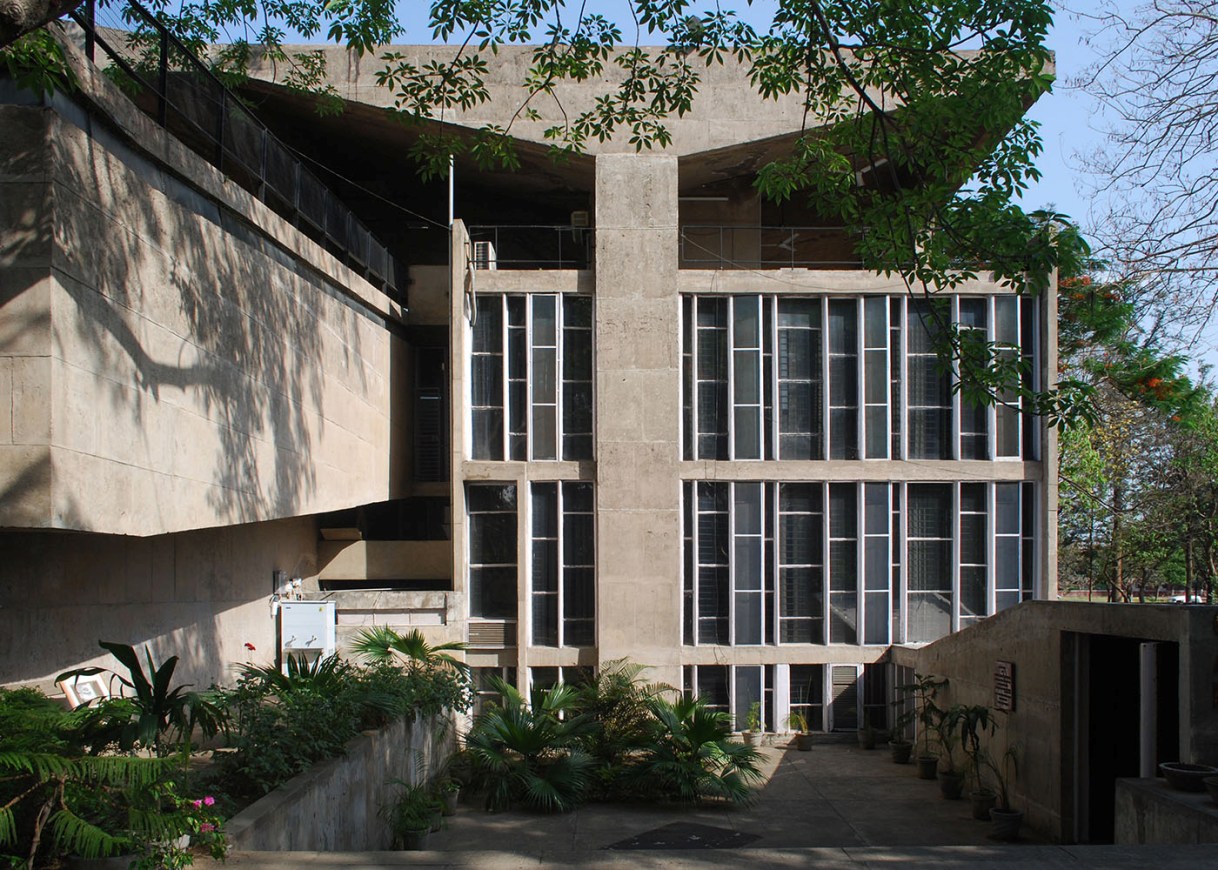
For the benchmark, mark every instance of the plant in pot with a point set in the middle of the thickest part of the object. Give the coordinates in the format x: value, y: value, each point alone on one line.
x: 1007, y: 821
x: 450, y: 793
x: 803, y: 737
x: 974, y: 722
x: 752, y: 729
x: 901, y: 748
x: 866, y: 733
x: 925, y: 714
x: 951, y: 779
x: 409, y: 816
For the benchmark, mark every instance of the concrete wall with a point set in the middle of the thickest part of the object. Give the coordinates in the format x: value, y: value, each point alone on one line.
x: 164, y: 365
x: 1036, y: 637
x: 638, y: 413
x: 1148, y: 811
x: 334, y: 806
x: 199, y: 595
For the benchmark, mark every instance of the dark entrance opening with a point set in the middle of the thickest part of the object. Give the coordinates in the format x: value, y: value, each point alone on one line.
x: 1113, y: 697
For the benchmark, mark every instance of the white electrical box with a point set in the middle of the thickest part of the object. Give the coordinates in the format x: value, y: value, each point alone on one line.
x: 306, y: 628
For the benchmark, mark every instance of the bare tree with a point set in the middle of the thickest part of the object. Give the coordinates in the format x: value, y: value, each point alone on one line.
x: 1156, y: 178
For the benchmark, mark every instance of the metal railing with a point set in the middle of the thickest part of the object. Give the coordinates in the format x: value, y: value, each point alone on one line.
x: 531, y: 246
x: 170, y: 84
x: 725, y: 247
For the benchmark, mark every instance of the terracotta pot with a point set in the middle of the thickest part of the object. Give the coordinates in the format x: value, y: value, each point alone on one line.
x: 803, y: 741
x: 982, y: 801
x: 1186, y: 777
x: 1006, y: 823
x: 901, y: 750
x: 928, y: 766
x: 951, y: 785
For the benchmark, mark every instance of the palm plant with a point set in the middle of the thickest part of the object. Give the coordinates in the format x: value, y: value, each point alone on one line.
x: 691, y: 755
x: 531, y: 752
x: 382, y: 644
x: 154, y: 715
x: 617, y: 701
x: 973, y: 723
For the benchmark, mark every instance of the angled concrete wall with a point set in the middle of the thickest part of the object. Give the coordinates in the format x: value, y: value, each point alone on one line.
x: 173, y: 355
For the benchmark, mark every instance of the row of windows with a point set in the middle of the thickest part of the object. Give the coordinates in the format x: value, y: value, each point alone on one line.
x: 561, y: 559
x: 766, y: 563
x: 764, y: 377
x: 842, y: 563
x: 769, y: 377
x: 828, y: 697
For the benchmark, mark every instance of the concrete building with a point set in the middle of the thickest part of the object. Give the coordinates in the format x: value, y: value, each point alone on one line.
x: 621, y: 408
x: 633, y: 409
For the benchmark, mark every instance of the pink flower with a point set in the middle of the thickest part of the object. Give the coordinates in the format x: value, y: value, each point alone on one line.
x: 206, y: 828
x: 196, y: 804
x: 208, y: 801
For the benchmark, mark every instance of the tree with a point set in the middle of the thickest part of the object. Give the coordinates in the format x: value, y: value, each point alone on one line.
x: 913, y: 133
x: 1155, y: 178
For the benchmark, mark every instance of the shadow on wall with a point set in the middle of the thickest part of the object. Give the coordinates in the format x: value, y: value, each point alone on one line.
x: 200, y: 595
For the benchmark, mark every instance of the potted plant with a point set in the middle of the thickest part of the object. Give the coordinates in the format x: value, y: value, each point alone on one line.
x: 901, y: 748
x: 924, y: 713
x: 866, y: 733
x: 450, y: 793
x: 1007, y: 820
x: 951, y: 780
x: 752, y: 724
x: 409, y: 816
x: 803, y: 737
x: 974, y: 722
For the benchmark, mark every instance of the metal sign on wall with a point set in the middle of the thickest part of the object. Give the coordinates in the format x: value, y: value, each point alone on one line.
x: 1004, y: 686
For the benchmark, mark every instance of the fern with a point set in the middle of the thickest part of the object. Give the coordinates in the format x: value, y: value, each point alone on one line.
x: 8, y: 827
x: 75, y: 836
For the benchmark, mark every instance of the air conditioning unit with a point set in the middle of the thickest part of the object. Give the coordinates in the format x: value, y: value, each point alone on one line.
x: 580, y: 220
x: 484, y: 256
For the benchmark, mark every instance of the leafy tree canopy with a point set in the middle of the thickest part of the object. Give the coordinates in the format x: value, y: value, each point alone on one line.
x: 913, y: 131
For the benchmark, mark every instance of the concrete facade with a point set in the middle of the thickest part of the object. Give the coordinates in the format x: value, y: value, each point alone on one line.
x: 185, y: 379
x: 1076, y: 709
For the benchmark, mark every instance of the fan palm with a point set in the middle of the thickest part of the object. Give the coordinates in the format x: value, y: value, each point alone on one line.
x: 531, y: 752
x: 382, y: 644
x: 691, y: 755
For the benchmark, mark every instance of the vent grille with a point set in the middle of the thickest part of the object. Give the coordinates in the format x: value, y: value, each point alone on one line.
x: 492, y: 634
x: 845, y: 698
x: 484, y: 256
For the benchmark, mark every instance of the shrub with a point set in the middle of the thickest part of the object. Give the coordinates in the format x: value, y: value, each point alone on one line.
x: 531, y: 754
x: 691, y: 755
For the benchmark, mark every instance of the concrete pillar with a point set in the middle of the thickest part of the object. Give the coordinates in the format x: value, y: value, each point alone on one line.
x: 638, y: 412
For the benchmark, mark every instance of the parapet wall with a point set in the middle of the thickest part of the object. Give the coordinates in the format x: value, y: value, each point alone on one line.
x: 173, y: 354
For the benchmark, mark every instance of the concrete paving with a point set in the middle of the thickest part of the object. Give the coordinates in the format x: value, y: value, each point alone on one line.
x: 837, y: 806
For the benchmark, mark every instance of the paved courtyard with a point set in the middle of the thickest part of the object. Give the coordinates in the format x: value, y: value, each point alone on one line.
x: 837, y: 806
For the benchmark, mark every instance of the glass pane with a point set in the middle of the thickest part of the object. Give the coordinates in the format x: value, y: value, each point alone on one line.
x: 748, y: 618
x: 748, y: 692
x: 876, y: 629
x: 545, y: 566
x: 544, y: 321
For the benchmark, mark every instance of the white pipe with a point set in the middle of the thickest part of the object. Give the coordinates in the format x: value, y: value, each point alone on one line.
x: 1148, y: 702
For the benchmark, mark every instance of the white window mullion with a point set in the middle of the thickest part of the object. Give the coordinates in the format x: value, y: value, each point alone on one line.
x: 731, y: 572
x: 731, y: 377
x: 826, y: 427
x: 991, y: 413
x: 860, y: 379
x: 559, y: 352
x: 903, y: 572
x: 904, y: 390
x: 561, y: 510
x: 772, y: 336
x: 506, y: 378
x: 826, y: 581
x: 991, y: 548
x: 696, y: 562
x: 955, y: 509
x: 955, y: 382
x: 860, y: 559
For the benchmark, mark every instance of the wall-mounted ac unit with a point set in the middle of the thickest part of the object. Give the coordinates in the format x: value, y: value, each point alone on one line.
x: 484, y: 256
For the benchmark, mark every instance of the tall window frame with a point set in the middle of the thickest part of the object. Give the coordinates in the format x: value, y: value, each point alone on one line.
x: 531, y: 377
x: 562, y: 564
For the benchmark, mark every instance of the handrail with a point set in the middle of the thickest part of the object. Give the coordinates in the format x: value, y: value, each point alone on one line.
x: 242, y: 147
x: 742, y: 247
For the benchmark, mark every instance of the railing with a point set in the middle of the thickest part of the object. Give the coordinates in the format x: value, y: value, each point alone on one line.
x: 169, y: 83
x: 535, y: 246
x: 722, y: 247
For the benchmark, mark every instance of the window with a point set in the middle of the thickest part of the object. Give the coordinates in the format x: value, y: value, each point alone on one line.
x: 807, y: 693
x: 734, y: 690
x: 929, y: 564
x: 485, y: 693
x: 492, y: 550
x: 531, y: 377
x: 563, y: 564
x: 791, y: 378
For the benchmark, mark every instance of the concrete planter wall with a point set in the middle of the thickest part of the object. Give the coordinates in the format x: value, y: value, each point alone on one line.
x: 333, y: 807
